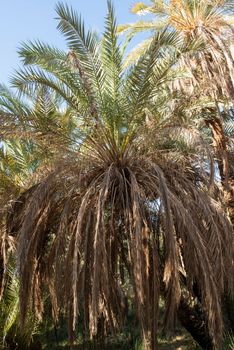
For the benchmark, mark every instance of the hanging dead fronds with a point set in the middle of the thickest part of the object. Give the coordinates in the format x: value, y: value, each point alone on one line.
x: 142, y: 212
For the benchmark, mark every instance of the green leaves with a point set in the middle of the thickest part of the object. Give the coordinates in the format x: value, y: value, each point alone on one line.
x: 152, y: 69
x: 91, y: 77
x: 111, y: 57
x: 72, y: 27
x: 11, y: 103
x: 84, y: 47
x: 43, y: 54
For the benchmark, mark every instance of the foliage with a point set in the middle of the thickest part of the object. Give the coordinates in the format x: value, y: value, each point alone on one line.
x: 10, y: 331
x: 229, y: 342
x: 202, y: 21
x: 122, y: 209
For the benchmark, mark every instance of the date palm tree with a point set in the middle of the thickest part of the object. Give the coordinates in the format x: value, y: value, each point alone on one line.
x: 33, y: 132
x: 211, y: 67
x: 120, y: 201
x: 209, y: 21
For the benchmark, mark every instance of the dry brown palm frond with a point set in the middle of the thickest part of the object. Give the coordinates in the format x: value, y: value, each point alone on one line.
x: 89, y: 218
x: 211, y: 67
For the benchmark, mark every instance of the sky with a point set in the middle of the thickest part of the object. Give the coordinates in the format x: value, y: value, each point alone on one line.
x: 24, y: 20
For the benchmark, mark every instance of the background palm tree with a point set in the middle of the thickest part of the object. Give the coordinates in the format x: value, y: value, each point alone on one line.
x: 23, y: 159
x: 211, y: 66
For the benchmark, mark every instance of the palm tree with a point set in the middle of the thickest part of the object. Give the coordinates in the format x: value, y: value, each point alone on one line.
x: 34, y: 130
x: 16, y: 171
x: 211, y: 67
x: 203, y: 20
x: 119, y: 202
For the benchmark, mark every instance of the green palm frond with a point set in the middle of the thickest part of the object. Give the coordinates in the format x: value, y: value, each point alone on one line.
x: 229, y: 341
x: 10, y: 307
x: 152, y: 69
x: 17, y: 163
x: 133, y: 57
x: 11, y: 103
x: 43, y: 54
x: 111, y: 56
x: 32, y: 136
x: 28, y: 80
x: 84, y: 44
x: 54, y: 62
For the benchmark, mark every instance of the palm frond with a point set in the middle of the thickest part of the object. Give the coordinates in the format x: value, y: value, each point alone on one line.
x: 85, y: 45
x: 27, y: 81
x: 111, y: 56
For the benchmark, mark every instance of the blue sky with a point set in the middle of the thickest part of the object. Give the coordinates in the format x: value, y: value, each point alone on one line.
x: 23, y: 20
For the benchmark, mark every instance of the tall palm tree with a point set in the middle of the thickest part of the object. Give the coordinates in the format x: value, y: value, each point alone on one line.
x: 211, y: 67
x: 23, y: 157
x: 121, y: 202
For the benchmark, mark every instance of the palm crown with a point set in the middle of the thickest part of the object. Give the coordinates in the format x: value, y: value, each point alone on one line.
x: 207, y: 22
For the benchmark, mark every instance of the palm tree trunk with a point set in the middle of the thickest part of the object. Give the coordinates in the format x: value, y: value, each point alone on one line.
x: 220, y: 146
x: 194, y: 321
x: 230, y: 191
x: 224, y: 161
x: 226, y: 170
